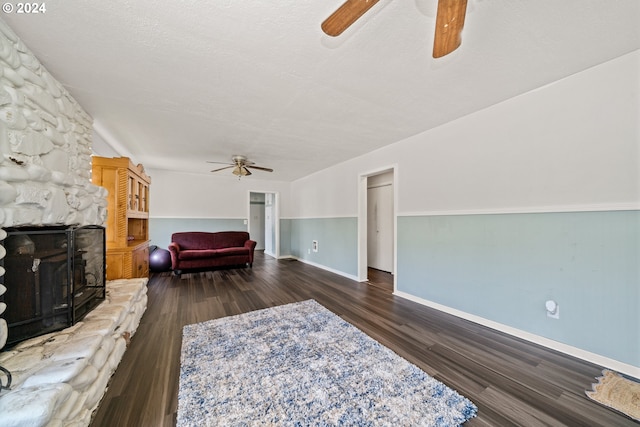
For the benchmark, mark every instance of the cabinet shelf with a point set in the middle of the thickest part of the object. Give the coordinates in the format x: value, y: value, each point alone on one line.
x: 135, y: 243
x: 136, y: 214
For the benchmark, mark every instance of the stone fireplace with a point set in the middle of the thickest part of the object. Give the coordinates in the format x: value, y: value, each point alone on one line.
x: 56, y: 275
x: 45, y: 165
x: 52, y: 254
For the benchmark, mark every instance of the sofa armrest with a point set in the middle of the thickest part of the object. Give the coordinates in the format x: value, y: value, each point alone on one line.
x: 174, y: 250
x: 251, y: 244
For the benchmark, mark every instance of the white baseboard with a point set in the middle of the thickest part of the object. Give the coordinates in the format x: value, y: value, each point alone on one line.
x: 324, y: 267
x: 606, y: 362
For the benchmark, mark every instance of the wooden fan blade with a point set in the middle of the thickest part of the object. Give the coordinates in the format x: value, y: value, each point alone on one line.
x: 346, y: 15
x: 221, y: 169
x: 221, y: 163
x: 449, y: 23
x: 260, y: 168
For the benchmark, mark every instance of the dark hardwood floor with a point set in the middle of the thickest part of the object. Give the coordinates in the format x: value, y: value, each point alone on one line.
x: 513, y: 383
x: 381, y: 279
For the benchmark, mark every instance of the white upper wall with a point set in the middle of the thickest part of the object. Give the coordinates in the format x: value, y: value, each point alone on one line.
x: 570, y: 145
x: 101, y: 147
x: 331, y: 192
x: 180, y: 195
x: 574, y: 144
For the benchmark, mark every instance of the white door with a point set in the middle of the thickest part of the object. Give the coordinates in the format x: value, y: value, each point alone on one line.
x: 269, y: 244
x: 257, y: 224
x: 380, y: 227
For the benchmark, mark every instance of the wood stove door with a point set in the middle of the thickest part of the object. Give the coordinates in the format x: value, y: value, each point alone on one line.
x: 23, y: 291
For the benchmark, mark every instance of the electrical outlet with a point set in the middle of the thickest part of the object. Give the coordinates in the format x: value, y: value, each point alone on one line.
x: 553, y: 309
x: 556, y: 314
x: 314, y: 245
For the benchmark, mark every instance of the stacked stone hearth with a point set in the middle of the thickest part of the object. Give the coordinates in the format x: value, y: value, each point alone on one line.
x: 59, y: 378
x: 45, y: 180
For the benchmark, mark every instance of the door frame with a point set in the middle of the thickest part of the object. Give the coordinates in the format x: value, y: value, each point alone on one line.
x: 257, y: 224
x: 276, y: 219
x: 362, y: 221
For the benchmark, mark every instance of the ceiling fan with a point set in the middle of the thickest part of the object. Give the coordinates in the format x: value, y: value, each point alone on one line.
x: 449, y: 22
x: 241, y: 166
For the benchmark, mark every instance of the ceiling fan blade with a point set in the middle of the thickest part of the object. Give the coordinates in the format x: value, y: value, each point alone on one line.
x: 220, y: 169
x: 260, y: 168
x: 221, y: 163
x: 449, y: 23
x: 245, y: 171
x: 346, y: 15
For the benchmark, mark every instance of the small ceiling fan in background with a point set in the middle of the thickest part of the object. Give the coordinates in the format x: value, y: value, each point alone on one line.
x: 241, y: 166
x: 449, y: 22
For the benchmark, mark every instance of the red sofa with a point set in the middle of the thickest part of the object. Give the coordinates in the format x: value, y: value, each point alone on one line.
x: 199, y: 250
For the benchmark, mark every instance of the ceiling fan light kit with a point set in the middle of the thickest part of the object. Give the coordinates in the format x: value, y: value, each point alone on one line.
x: 240, y: 166
x: 241, y: 171
x: 448, y: 30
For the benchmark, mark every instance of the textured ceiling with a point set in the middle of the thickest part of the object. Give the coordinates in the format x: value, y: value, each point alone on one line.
x: 174, y: 84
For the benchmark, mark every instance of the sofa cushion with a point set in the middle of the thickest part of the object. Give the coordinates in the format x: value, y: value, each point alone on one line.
x: 199, y: 253
x: 212, y: 253
x: 230, y: 239
x: 233, y: 251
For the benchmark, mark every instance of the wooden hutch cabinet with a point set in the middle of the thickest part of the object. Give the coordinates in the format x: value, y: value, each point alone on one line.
x: 127, y: 228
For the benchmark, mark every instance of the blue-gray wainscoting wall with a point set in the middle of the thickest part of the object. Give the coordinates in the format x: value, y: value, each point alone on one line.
x: 285, y: 237
x: 337, y: 242
x: 501, y: 267
x: 160, y: 229
x: 504, y: 267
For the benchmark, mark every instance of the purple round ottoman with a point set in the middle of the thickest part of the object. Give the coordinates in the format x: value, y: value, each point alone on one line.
x: 159, y: 260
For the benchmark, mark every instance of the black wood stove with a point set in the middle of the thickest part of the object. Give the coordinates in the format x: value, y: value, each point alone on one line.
x: 54, y: 276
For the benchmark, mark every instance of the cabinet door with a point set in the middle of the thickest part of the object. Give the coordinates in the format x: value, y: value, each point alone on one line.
x: 145, y: 262
x: 141, y: 262
x: 143, y: 193
x: 134, y: 197
x: 115, y: 265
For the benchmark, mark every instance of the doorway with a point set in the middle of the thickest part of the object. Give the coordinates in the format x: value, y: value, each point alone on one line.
x: 377, y: 227
x: 264, y: 221
x: 256, y: 219
x: 380, y: 222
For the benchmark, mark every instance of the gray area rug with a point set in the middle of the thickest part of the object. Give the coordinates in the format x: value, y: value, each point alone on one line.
x: 300, y: 364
